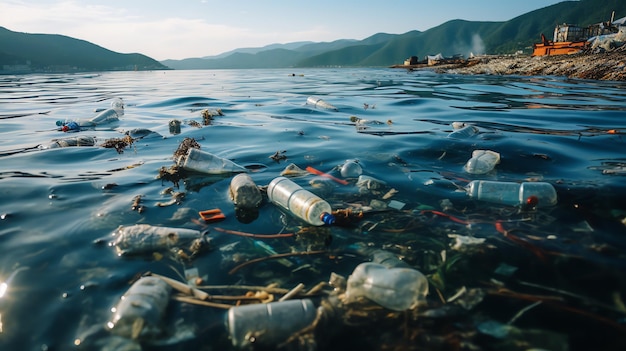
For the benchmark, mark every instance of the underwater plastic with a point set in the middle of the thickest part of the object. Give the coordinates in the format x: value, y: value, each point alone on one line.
x: 510, y: 193
x: 270, y: 323
x: 299, y: 202
x: 244, y: 192
x: 140, y: 312
x: 205, y: 162
x: 482, y: 161
x: 397, y: 289
x: 317, y: 102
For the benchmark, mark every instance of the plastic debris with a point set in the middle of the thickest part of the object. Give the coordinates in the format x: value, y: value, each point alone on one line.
x: 140, y: 312
x: 351, y: 169
x: 267, y: 325
x: 397, y: 289
x: 482, y: 161
x: 204, y: 162
x: 317, y: 102
x: 465, y: 132
x: 144, y: 238
x: 244, y: 192
x: 292, y: 170
x: 514, y: 194
x: 462, y: 243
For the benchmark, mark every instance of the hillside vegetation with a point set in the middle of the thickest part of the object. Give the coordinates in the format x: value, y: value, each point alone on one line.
x: 24, y: 52
x: 450, y: 38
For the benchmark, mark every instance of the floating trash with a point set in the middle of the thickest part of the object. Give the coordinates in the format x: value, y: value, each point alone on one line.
x: 144, y: 238
x: 140, y: 312
x: 317, y: 102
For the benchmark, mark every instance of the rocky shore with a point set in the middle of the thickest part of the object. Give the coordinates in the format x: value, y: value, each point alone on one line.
x: 598, y: 66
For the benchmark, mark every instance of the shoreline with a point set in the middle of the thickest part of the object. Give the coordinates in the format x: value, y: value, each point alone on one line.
x: 595, y: 66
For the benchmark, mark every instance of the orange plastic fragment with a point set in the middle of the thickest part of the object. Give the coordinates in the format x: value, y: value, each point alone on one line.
x: 612, y: 131
x: 212, y: 215
x: 320, y: 173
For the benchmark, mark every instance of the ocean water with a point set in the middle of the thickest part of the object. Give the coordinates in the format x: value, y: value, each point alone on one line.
x: 550, y: 277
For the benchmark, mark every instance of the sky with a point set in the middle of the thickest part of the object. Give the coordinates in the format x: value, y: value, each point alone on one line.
x: 178, y: 29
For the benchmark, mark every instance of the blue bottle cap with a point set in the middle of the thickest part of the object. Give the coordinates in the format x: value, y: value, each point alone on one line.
x: 59, y: 123
x: 327, y: 218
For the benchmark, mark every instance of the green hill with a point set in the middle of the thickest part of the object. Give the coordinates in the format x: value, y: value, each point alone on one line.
x: 450, y: 38
x: 24, y: 52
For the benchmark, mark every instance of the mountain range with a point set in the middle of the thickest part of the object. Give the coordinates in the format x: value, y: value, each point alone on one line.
x: 48, y: 52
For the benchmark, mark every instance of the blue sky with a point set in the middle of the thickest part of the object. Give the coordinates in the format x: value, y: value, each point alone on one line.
x: 177, y: 29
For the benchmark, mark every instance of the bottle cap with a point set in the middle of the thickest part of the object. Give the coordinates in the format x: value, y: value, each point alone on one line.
x: 59, y: 123
x: 327, y: 218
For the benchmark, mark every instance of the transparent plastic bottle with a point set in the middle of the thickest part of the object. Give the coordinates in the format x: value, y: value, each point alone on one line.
x: 272, y: 322
x: 244, y: 192
x: 397, y: 289
x: 317, y: 102
x: 482, y: 161
x: 299, y: 201
x: 466, y: 132
x: 511, y: 193
x: 205, y: 162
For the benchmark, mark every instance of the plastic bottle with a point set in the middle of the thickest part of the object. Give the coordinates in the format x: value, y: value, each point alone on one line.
x: 106, y: 116
x: 397, y: 289
x: 463, y: 133
x: 268, y: 324
x: 244, y: 192
x: 510, y: 193
x: 68, y: 142
x: 482, y: 161
x: 317, y: 102
x: 300, y: 202
x: 205, y: 162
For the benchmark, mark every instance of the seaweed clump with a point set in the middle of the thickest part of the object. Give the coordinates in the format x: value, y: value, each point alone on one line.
x: 119, y: 144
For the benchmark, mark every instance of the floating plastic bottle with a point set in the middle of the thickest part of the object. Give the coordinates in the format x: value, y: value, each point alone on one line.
x: 270, y: 323
x: 299, y: 202
x: 317, y: 102
x: 107, y: 116
x: 510, y: 193
x: 140, y: 312
x: 205, y: 162
x: 145, y: 238
x: 69, y: 142
x: 482, y: 161
x: 397, y: 289
x: 466, y: 132
x: 351, y: 169
x: 244, y: 192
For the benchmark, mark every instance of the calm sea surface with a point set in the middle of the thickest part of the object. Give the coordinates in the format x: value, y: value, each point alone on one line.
x: 550, y: 278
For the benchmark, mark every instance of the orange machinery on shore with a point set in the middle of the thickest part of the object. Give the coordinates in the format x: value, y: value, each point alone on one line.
x: 549, y: 48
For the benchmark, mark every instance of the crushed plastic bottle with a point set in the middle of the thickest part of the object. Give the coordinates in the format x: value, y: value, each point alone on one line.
x: 139, y: 313
x: 482, y: 161
x: 465, y: 132
x: 243, y: 191
x: 317, y: 102
x: 145, y: 238
x: 397, y: 289
x: 299, y: 202
x: 511, y: 193
x: 271, y: 323
x: 205, y: 162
